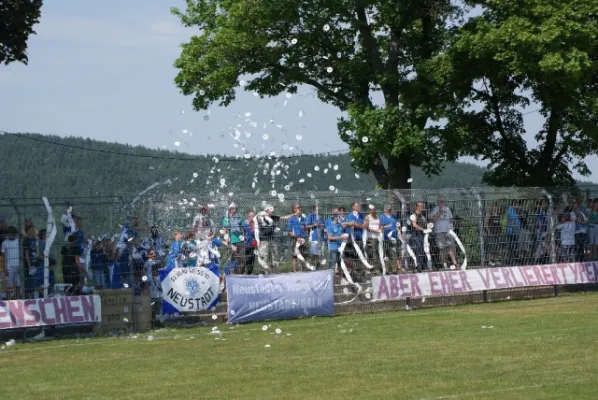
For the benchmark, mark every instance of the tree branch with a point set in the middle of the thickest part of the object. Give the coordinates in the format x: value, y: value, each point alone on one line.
x: 369, y: 42
x: 339, y: 95
x: 546, y: 157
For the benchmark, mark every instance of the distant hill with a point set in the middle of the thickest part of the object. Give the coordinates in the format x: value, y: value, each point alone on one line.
x: 34, y: 165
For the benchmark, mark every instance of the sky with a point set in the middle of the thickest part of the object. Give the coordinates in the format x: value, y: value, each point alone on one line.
x: 104, y: 70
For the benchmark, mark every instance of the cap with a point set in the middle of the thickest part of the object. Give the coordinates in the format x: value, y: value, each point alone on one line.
x: 269, y: 208
x: 232, y: 205
x: 387, y: 207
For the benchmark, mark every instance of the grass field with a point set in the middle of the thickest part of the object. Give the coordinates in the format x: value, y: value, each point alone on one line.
x: 540, y: 349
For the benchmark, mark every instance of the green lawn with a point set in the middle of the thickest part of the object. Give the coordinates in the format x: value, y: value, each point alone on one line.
x: 540, y: 349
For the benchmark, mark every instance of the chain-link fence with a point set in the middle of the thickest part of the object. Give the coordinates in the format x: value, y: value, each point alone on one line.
x: 419, y: 230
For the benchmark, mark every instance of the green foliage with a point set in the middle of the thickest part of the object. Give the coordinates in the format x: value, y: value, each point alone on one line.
x: 512, y: 55
x: 17, y: 18
x: 348, y: 51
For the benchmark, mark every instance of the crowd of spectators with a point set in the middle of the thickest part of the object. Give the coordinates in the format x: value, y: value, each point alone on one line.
x: 360, y: 241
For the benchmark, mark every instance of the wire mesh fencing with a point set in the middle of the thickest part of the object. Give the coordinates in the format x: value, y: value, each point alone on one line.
x: 395, y: 231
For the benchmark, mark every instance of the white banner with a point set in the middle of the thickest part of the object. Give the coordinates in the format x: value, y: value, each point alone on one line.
x: 50, y: 311
x: 451, y: 282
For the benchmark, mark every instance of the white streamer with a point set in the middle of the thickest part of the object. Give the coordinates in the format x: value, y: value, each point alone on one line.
x: 341, y: 250
x: 427, y: 247
x: 260, y: 260
x: 454, y: 235
x: 298, y: 244
x: 360, y: 253
x: 380, y: 239
x: 406, y: 244
x: 381, y: 252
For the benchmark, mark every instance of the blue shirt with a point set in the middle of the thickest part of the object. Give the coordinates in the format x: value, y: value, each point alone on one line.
x: 388, y: 220
x: 80, y: 238
x: 513, y: 218
x: 359, y: 219
x: 97, y: 260
x: 317, y: 233
x: 216, y: 242
x: 296, y: 225
x: 248, y: 233
x: 541, y: 221
x: 335, y: 230
x: 341, y: 220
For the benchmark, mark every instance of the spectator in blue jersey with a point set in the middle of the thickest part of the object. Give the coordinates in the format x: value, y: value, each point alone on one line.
x: 335, y: 210
x: 353, y: 225
x: 335, y: 232
x: 250, y: 244
x: 30, y: 253
x: 39, y: 281
x: 174, y: 250
x: 513, y: 229
x: 97, y: 264
x: 296, y: 230
x: 315, y: 228
x: 232, y: 223
x: 389, y: 224
x: 124, y: 265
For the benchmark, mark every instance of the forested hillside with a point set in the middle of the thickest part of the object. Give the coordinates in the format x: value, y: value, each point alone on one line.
x: 39, y: 165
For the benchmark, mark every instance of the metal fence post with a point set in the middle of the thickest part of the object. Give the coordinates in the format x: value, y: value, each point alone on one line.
x: 551, y: 226
x: 481, y: 225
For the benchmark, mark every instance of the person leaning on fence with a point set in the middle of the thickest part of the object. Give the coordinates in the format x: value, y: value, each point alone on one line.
x: 335, y: 239
x: 373, y: 231
x: 493, y: 235
x: 315, y: 228
x: 418, y: 224
x: 12, y: 264
x: 232, y: 224
x: 513, y: 230
x: 73, y: 272
x: 30, y: 258
x: 389, y: 224
x: 266, y: 223
x: 98, y: 263
x: 580, y: 231
x: 39, y: 278
x: 353, y: 226
x: 442, y: 216
x: 567, y: 229
x: 296, y: 230
x: 250, y: 244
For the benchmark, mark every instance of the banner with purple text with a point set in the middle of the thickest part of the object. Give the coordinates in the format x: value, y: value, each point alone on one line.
x: 50, y: 311
x: 452, y: 282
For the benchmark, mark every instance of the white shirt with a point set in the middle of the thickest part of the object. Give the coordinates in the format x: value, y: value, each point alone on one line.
x: 567, y: 233
x: 373, y: 224
x: 10, y: 249
x: 443, y: 224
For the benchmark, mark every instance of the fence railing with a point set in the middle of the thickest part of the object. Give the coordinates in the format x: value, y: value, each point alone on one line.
x: 491, y: 226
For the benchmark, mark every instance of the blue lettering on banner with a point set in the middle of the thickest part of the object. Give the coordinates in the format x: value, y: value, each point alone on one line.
x: 280, y: 296
x: 189, y: 289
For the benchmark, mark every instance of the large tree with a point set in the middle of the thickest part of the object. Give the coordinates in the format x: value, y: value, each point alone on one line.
x: 517, y: 57
x: 369, y: 58
x: 17, y: 18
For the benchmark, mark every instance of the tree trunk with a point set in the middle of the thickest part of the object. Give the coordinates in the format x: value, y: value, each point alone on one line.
x: 399, y: 172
